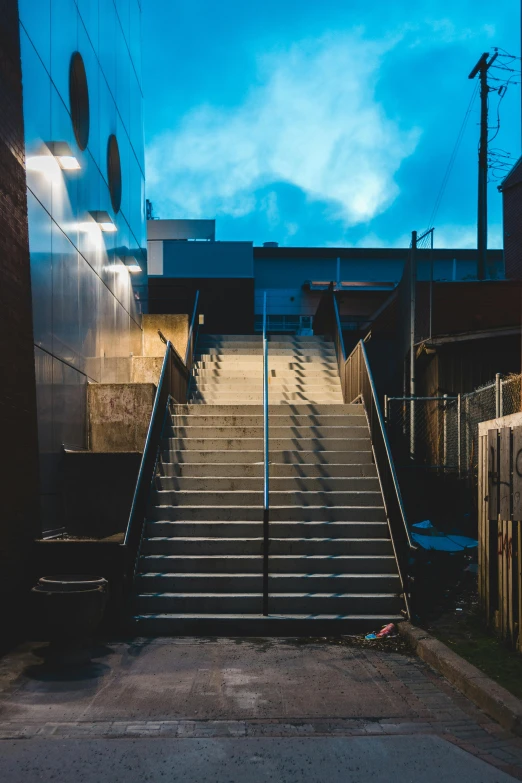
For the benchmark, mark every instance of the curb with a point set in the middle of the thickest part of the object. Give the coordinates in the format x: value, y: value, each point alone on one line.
x: 488, y: 695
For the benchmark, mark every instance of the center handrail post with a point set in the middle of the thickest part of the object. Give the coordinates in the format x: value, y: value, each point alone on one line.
x: 266, y: 491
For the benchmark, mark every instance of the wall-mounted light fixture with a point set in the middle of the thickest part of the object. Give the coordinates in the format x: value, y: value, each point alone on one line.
x: 64, y: 155
x: 132, y: 264
x: 104, y: 220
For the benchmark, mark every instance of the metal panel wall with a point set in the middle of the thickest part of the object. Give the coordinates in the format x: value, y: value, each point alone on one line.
x: 87, y: 318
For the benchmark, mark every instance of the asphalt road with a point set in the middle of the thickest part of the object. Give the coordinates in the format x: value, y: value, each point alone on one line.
x: 258, y: 760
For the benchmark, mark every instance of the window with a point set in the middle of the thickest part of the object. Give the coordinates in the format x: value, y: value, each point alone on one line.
x: 79, y: 100
x: 114, y: 172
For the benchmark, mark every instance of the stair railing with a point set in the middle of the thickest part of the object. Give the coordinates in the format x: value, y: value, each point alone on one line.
x: 266, y: 475
x: 193, y: 334
x: 358, y: 385
x: 172, y: 388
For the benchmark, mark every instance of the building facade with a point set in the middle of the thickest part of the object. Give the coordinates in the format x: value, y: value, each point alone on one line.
x: 184, y: 255
x: 511, y: 189
x: 82, y: 107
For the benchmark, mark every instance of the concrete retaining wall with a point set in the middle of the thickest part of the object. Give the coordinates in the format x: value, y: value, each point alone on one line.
x: 174, y: 327
x: 119, y: 415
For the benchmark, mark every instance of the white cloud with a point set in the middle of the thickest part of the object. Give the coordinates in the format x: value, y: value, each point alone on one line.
x: 312, y: 121
x: 464, y: 237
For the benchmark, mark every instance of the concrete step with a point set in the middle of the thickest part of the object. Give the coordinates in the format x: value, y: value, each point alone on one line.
x: 276, y: 444
x: 300, y: 409
x: 254, y: 529
x: 276, y: 398
x: 286, y: 350
x: 248, y: 345
x: 254, y: 337
x: 277, y: 362
x: 282, y: 420
x: 301, y: 471
x: 278, y: 564
x: 277, y: 513
x: 299, y: 339
x: 278, y: 546
x: 277, y: 583
x: 254, y: 384
x: 184, y: 498
x: 251, y: 457
x: 242, y: 483
x: 314, y: 390
x: 255, y: 625
x: 281, y: 603
x: 276, y: 432
x: 308, y: 372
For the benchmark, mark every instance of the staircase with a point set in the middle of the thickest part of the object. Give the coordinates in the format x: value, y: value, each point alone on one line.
x: 332, y: 567
x: 229, y: 370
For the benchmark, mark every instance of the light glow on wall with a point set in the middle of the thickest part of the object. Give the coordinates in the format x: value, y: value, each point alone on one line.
x: 104, y: 220
x: 64, y: 155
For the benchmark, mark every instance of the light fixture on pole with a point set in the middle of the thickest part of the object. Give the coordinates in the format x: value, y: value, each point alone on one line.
x: 104, y: 220
x: 64, y: 155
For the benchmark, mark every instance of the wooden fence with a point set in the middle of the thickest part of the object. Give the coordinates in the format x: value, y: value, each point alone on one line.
x: 500, y: 515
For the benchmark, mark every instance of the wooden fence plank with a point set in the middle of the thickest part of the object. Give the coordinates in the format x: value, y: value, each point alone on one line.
x: 517, y: 474
x: 482, y: 522
x: 504, y: 489
x: 493, y: 474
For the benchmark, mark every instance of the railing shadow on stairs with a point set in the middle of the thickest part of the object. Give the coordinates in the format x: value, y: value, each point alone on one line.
x: 172, y: 389
x: 358, y: 386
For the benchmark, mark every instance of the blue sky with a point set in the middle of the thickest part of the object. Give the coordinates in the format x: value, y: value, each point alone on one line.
x: 322, y: 123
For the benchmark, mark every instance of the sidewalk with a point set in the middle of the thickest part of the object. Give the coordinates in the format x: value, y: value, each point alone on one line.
x: 231, y: 694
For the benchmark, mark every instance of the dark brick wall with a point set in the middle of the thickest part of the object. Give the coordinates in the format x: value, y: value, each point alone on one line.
x: 512, y: 207
x: 19, y: 506
x: 227, y: 303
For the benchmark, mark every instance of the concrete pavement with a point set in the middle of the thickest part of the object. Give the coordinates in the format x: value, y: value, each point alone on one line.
x: 332, y: 759
x: 249, y: 709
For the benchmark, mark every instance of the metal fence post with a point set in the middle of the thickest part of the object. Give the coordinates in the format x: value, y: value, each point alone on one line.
x: 466, y: 417
x: 459, y: 434
x: 386, y: 411
x: 445, y: 435
x: 498, y: 395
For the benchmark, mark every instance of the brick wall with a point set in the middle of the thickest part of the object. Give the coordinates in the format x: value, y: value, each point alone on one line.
x: 19, y: 507
x: 512, y: 208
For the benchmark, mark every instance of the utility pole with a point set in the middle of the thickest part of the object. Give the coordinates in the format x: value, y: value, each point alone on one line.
x: 413, y: 307
x: 482, y: 68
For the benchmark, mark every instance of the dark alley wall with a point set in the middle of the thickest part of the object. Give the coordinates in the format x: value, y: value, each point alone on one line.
x: 19, y: 514
x: 512, y: 215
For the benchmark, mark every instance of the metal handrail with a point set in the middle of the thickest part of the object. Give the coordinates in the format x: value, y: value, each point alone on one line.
x: 358, y: 384
x: 387, y: 447
x: 266, y: 475
x: 173, y: 377
x: 190, y: 341
x: 339, y: 328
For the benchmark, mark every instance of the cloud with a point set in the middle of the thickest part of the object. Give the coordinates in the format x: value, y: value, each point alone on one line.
x: 464, y: 237
x: 456, y: 237
x: 311, y: 121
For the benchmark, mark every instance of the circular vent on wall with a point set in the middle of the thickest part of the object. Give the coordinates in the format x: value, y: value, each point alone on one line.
x: 79, y: 100
x: 114, y: 172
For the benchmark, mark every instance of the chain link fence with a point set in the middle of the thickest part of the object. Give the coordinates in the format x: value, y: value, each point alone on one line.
x: 441, y: 433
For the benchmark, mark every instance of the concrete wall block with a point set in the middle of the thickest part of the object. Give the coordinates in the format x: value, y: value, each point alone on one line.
x: 146, y: 369
x: 119, y: 415
x: 174, y: 327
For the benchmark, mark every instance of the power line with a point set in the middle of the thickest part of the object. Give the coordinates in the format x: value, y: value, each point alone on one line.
x: 453, y: 157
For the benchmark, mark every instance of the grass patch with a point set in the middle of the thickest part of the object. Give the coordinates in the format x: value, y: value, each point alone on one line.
x: 464, y: 632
